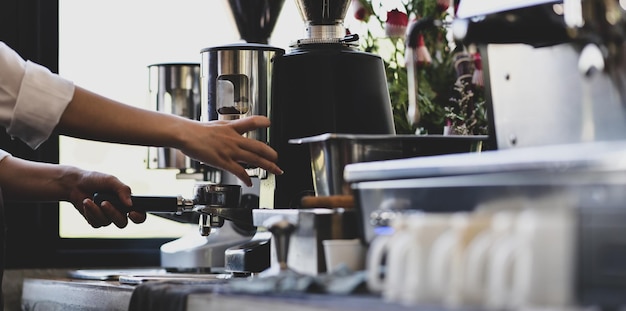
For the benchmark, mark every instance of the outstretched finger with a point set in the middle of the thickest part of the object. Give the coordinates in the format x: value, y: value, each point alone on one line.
x: 238, y: 170
x: 250, y: 123
x: 256, y: 158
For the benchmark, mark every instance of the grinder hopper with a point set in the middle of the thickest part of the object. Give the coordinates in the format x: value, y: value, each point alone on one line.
x: 255, y: 19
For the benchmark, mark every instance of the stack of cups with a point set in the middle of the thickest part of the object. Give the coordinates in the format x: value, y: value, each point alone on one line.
x: 491, y: 258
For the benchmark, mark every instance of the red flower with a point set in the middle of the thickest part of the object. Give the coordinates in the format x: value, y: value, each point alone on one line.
x: 395, y: 26
x: 477, y: 76
x: 422, y: 56
x: 443, y: 5
x: 361, y: 13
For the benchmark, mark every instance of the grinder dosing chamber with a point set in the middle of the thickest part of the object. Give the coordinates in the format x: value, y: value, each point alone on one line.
x: 236, y: 83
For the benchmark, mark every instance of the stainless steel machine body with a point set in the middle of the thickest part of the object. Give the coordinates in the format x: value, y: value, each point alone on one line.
x: 555, y: 70
x: 540, y: 97
x: 197, y: 253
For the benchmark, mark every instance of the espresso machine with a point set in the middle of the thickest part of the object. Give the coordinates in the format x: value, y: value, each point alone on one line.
x: 231, y: 82
x: 558, y: 65
x: 235, y: 82
x: 555, y: 90
x: 225, y: 217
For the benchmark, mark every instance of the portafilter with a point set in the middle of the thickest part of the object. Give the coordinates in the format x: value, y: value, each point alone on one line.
x: 212, y: 203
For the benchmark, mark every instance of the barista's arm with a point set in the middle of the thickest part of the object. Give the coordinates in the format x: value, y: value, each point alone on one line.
x: 22, y: 180
x: 217, y: 143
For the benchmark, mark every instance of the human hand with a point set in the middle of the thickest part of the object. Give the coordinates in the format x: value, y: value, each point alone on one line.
x: 221, y: 145
x: 89, y: 183
x: 217, y: 143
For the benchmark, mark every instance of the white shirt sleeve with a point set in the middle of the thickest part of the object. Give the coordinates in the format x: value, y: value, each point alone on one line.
x: 32, y: 99
x: 3, y: 154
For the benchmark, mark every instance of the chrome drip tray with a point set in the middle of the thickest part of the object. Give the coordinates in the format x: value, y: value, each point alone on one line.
x: 181, y: 277
x: 112, y: 274
x: 134, y: 276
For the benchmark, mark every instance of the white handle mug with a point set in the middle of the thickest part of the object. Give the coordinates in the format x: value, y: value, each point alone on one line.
x: 374, y: 263
x: 378, y: 252
x: 430, y: 235
x: 477, y: 257
x: 544, y: 264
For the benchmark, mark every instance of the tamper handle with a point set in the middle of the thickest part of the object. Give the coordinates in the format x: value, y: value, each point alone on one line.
x: 281, y: 230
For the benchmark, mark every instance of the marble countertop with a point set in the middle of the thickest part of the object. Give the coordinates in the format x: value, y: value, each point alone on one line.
x: 70, y: 294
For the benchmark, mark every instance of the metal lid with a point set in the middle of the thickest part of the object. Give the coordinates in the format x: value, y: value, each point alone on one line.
x: 584, y: 157
x: 243, y: 46
x: 174, y: 64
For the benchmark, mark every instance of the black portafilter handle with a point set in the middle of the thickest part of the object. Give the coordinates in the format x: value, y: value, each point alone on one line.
x: 151, y: 204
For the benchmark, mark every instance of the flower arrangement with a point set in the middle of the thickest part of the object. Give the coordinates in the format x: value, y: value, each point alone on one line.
x: 450, y: 94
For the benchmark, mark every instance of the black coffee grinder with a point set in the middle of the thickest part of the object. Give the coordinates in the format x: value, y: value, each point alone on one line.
x: 323, y: 85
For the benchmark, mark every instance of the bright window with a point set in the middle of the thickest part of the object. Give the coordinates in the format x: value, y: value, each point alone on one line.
x: 106, y: 46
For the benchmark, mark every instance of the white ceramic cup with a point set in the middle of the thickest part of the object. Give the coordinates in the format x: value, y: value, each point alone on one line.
x: 412, y: 263
x: 377, y: 253
x: 349, y: 253
x: 405, y: 256
x: 477, y: 272
x: 533, y: 266
x: 543, y: 266
x: 447, y: 257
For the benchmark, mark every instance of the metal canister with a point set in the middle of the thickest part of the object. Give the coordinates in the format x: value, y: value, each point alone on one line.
x: 236, y: 83
x: 174, y: 89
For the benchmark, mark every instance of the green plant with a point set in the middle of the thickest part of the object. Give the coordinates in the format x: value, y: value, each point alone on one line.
x: 440, y: 97
x: 466, y: 116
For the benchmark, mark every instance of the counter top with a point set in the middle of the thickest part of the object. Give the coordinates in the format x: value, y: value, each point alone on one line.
x: 68, y: 294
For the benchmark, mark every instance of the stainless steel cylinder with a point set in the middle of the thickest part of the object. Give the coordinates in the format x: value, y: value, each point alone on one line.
x: 236, y: 83
x: 174, y: 89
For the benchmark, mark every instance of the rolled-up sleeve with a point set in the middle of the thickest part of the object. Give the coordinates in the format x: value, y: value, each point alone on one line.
x: 32, y: 99
x: 3, y: 154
